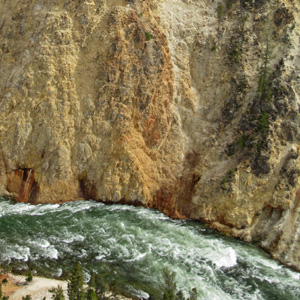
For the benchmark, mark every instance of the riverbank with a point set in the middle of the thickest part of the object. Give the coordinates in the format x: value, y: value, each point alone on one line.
x: 16, y: 287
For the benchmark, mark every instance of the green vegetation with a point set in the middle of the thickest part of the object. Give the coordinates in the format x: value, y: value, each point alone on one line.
x: 236, y: 52
x: 264, y: 122
x: 148, y: 36
x: 170, y: 285
x: 241, y: 142
x: 5, y: 281
x: 224, y: 180
x: 242, y: 85
x: 264, y: 83
x: 293, y: 27
x: 232, y: 173
x: 75, y: 284
x: 258, y: 147
x: 236, y: 48
x: 245, y: 19
x: 220, y: 12
x: 4, y: 297
x: 57, y: 293
x: 91, y: 295
x: 259, y: 119
x: 247, y: 3
x: 170, y: 289
x: 214, y: 47
x: 229, y: 4
x: 97, y: 288
x: 29, y: 277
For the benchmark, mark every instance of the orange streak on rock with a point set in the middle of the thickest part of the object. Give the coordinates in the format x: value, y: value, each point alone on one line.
x: 20, y: 183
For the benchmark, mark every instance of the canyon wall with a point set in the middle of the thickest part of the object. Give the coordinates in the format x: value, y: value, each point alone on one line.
x: 188, y: 106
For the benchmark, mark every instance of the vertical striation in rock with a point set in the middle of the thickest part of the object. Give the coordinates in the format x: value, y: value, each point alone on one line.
x: 188, y: 106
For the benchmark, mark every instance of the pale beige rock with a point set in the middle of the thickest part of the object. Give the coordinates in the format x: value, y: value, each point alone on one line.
x: 157, y: 103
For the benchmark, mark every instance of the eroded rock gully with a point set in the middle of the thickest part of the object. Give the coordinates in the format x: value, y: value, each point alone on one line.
x: 188, y: 106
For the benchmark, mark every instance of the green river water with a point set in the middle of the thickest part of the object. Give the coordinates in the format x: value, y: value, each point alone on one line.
x: 133, y: 245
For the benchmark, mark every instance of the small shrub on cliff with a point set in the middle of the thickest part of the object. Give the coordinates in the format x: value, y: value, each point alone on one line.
x: 264, y: 122
x: 229, y: 4
x: 148, y: 36
x: 241, y: 142
x: 236, y: 52
x: 224, y: 180
x: 264, y: 82
x: 293, y: 27
x: 220, y: 12
x: 214, y: 47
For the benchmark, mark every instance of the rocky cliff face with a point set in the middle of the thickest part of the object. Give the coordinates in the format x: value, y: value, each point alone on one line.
x: 188, y: 106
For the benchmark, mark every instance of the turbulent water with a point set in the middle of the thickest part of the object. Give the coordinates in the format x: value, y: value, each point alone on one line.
x: 134, y: 245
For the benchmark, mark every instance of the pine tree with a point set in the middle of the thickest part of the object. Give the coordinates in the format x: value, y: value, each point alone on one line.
x: 170, y: 285
x: 100, y: 287
x: 91, y: 294
x: 92, y: 282
x: 113, y: 289
x: 75, y: 284
x: 179, y: 295
x: 193, y: 294
x: 170, y: 289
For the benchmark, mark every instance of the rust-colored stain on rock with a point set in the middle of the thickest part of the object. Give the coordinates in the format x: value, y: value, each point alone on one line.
x: 22, y: 184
